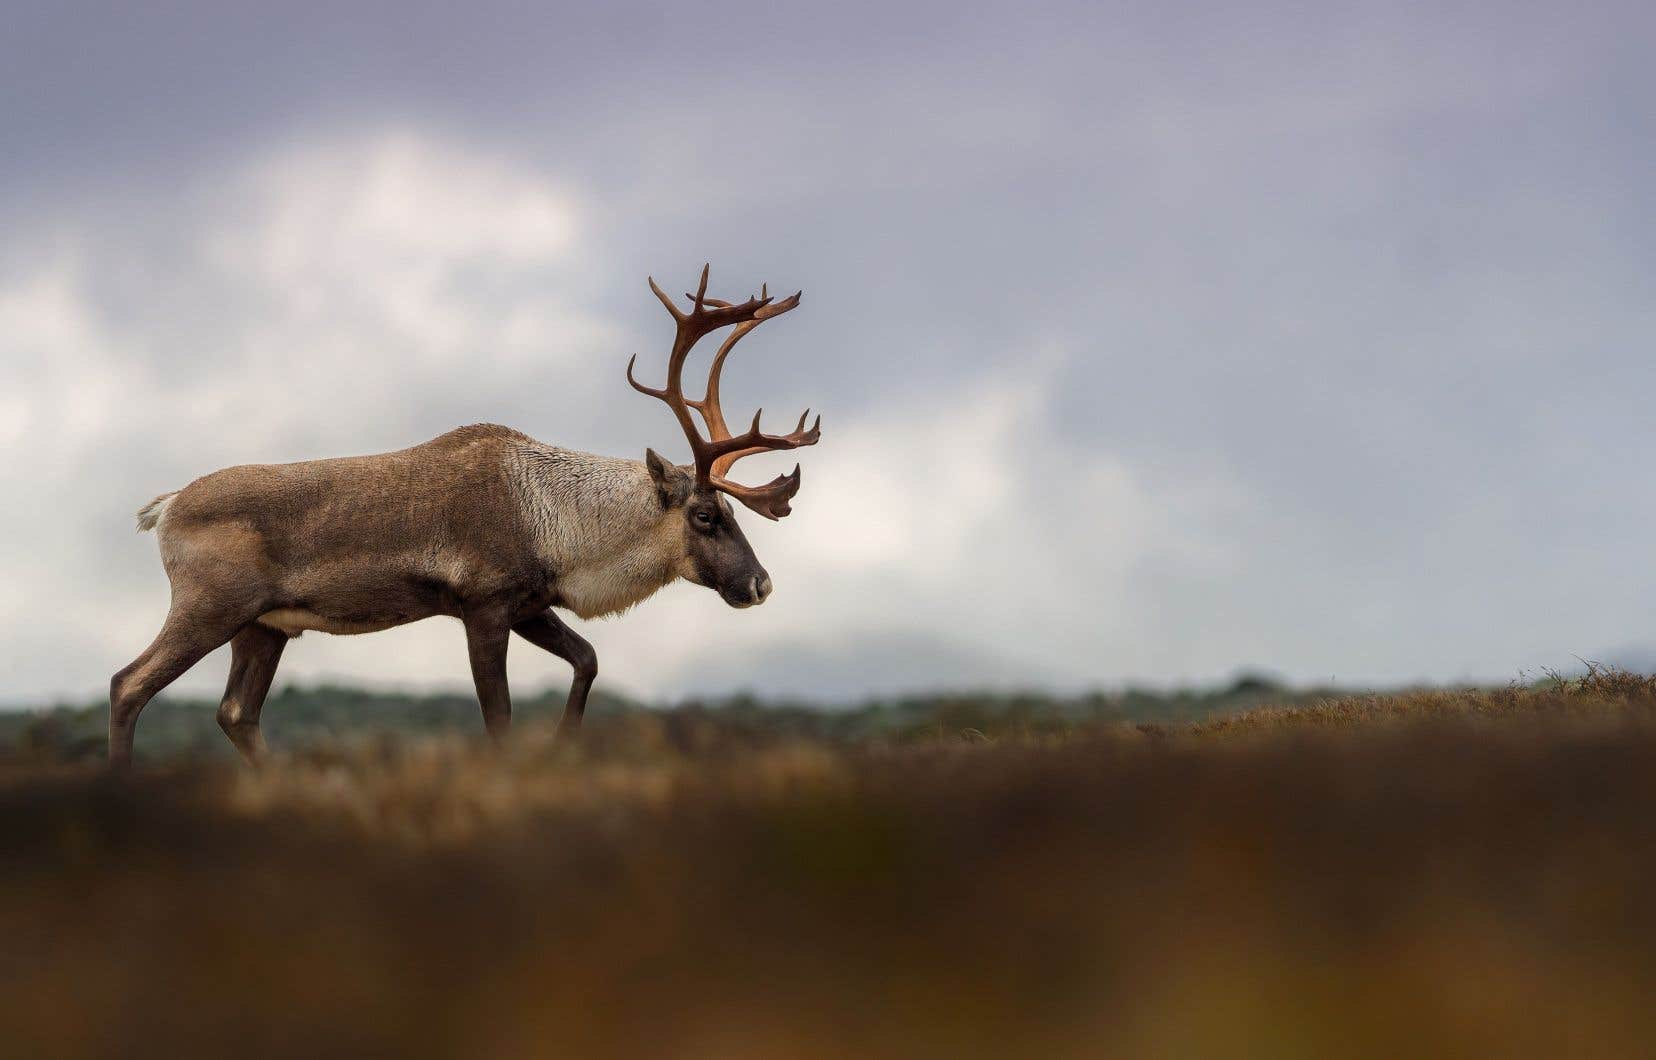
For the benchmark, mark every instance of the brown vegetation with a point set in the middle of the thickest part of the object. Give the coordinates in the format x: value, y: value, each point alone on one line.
x: 1462, y: 872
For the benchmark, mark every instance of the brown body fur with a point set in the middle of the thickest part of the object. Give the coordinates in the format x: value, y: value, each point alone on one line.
x: 362, y: 543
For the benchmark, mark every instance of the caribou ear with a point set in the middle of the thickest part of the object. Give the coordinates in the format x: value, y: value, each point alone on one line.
x: 672, y: 483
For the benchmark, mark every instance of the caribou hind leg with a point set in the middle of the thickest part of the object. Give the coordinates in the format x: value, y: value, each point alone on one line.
x: 550, y: 632
x: 254, y: 652
x: 185, y: 637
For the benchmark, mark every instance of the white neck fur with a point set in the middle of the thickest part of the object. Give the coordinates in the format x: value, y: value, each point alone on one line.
x: 598, y: 526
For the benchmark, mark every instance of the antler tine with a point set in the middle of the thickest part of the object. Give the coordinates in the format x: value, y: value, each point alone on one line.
x: 726, y: 451
x: 666, y: 301
x: 701, y: 288
x: 768, y: 308
x: 640, y: 387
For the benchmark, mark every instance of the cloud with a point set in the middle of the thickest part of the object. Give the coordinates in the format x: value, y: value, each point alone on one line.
x: 398, y: 234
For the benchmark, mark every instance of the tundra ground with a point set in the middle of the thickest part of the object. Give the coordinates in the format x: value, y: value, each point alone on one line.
x: 1468, y: 873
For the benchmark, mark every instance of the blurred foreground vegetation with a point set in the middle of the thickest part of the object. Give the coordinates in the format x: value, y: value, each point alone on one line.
x: 1433, y: 873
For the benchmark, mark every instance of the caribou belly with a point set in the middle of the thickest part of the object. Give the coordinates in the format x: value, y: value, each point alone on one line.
x: 296, y: 620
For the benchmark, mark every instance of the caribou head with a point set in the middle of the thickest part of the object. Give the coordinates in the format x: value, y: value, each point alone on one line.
x: 716, y: 552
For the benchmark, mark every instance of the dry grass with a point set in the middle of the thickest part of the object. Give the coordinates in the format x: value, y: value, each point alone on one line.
x: 1440, y: 872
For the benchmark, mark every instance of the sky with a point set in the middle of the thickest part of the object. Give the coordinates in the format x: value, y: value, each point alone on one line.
x: 1152, y: 342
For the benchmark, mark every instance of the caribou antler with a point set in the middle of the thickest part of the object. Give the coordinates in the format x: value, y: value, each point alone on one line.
x: 715, y: 453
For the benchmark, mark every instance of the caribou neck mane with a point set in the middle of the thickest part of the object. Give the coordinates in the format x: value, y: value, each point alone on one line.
x: 598, y: 526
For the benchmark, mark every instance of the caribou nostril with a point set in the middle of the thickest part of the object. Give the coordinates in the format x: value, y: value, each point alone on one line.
x: 762, y: 587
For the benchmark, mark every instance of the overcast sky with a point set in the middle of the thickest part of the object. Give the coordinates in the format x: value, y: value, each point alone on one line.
x: 1152, y: 341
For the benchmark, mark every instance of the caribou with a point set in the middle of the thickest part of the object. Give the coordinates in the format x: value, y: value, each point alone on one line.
x: 484, y: 524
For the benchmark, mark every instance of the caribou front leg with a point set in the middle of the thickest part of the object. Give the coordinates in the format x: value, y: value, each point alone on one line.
x: 549, y: 631
x: 486, y: 636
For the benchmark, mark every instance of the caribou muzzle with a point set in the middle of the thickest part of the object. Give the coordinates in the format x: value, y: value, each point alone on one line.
x: 749, y: 592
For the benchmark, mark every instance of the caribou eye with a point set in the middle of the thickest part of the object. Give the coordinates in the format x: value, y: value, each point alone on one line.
x: 704, y: 518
